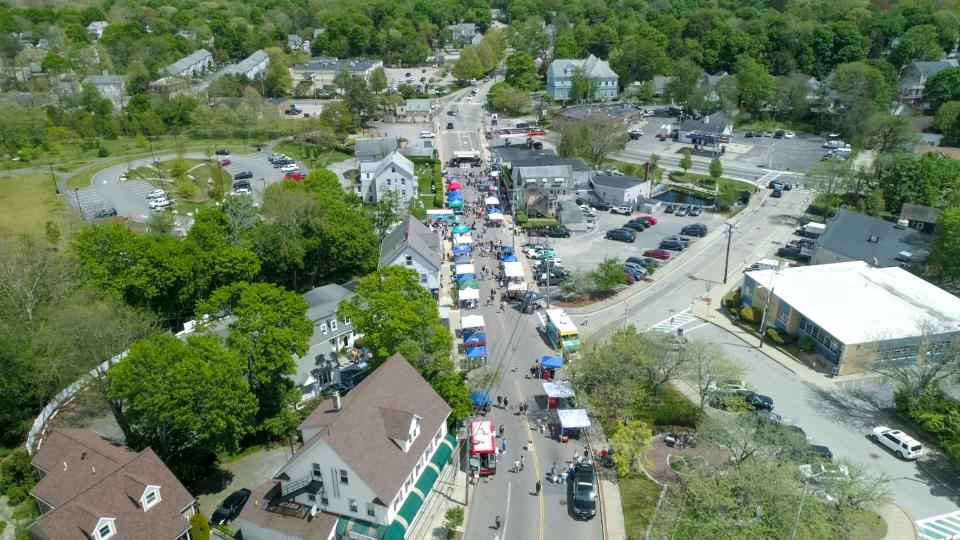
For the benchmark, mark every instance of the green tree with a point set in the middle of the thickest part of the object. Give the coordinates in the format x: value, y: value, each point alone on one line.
x: 630, y: 441
x: 54, y: 63
x: 188, y: 401
x: 506, y: 99
x: 160, y: 223
x: 873, y: 204
x: 566, y: 46
x: 716, y: 169
x: 889, y: 132
x: 521, y: 73
x: 578, y: 283
x: 269, y: 326
x: 918, y: 44
x: 946, y: 116
x: 608, y: 274
x: 582, y: 88
x: 859, y: 90
x: 468, y: 66
x: 755, y: 85
x: 17, y: 476
x: 639, y: 59
x: 199, y: 527
x: 685, y: 81
x: 944, y: 263
x: 277, y: 81
x: 686, y: 161
x: 378, y: 80
x: 453, y: 518
x: 942, y: 87
x: 527, y: 36
x: 706, y: 367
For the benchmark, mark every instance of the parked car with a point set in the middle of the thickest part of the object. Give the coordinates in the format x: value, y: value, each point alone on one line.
x: 449, y: 125
x: 672, y: 245
x: 603, y: 206
x: 898, y: 442
x: 695, y: 210
x: 243, y: 191
x: 790, y: 252
x: 681, y: 239
x: 649, y: 219
x: 539, y: 253
x: 295, y: 176
x: 758, y: 402
x: 557, y: 231
x: 774, y: 184
x: 622, y: 210
x: 230, y: 508
x: 669, y: 209
x: 243, y: 174
x: 621, y: 235
x: 682, y: 211
x: 645, y: 261
x: 661, y: 254
x: 789, y: 135
x: 427, y: 135
x: 584, y: 492
x: 769, y: 417
x: 587, y: 210
x: 635, y: 225
x: 105, y: 213
x: 224, y: 163
x: 292, y: 167
x: 779, y: 134
x: 635, y: 270
x: 222, y: 152
x: 695, y: 229
x: 160, y: 203
x: 451, y: 112
x: 556, y: 277
x: 635, y: 134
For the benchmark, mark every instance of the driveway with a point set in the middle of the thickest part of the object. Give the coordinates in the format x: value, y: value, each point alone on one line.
x: 247, y: 472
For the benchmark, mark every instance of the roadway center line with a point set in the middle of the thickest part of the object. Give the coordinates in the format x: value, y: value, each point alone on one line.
x: 536, y: 461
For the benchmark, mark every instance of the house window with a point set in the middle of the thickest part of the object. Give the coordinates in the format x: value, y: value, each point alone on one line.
x: 317, y: 471
x: 311, y: 497
x: 409, y: 260
x: 403, y: 181
x: 389, y: 180
x: 423, y: 278
x: 323, y: 328
x: 151, y: 498
x: 106, y: 531
x: 783, y: 312
x: 371, y: 510
x: 324, y: 500
x: 353, y: 505
x: 333, y: 324
x: 344, y: 479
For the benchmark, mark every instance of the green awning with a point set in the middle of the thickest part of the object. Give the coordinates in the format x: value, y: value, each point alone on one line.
x: 426, y: 481
x: 408, y: 512
x: 346, y: 525
x: 443, y: 453
x: 394, y: 532
x: 410, y: 508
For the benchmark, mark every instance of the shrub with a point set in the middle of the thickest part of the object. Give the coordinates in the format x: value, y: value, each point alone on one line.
x: 805, y: 343
x: 674, y: 409
x: 732, y: 299
x: 199, y: 527
x: 521, y: 218
x: 779, y: 337
x: 749, y: 315
x: 17, y: 476
x: 454, y: 517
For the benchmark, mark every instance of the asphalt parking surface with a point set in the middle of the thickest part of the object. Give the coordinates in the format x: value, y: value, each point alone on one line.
x: 585, y: 250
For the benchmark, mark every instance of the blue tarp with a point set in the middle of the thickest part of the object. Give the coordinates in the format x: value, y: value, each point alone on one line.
x: 463, y: 277
x: 510, y: 258
x: 457, y: 250
x: 474, y: 339
x: 477, y: 352
x: 506, y: 251
x: 553, y: 362
x: 480, y: 397
x: 463, y: 259
x: 455, y: 196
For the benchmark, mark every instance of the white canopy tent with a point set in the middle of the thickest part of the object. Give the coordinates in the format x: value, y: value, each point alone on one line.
x: 560, y: 389
x: 462, y: 239
x: 491, y: 201
x: 472, y: 321
x: 465, y: 269
x: 513, y: 269
x: 517, y: 286
x: 495, y: 216
x: 470, y: 294
x: 573, y: 418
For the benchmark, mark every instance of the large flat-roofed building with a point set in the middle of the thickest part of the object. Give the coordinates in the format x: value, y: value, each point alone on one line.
x: 852, y: 236
x: 857, y: 315
x: 321, y: 70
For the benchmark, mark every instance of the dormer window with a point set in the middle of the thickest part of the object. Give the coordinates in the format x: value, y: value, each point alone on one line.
x: 105, y: 529
x: 151, y: 496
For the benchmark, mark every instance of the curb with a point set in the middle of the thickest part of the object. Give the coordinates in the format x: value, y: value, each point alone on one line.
x: 913, y: 522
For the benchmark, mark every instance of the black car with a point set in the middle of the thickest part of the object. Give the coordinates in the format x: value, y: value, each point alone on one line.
x: 602, y: 205
x: 696, y: 229
x: 777, y: 193
x: 622, y: 235
x: 241, y: 184
x: 695, y: 210
x: 779, y: 134
x: 758, y: 402
x: 635, y: 225
x: 672, y: 245
x: 242, y: 175
x: 584, y: 492
x: 644, y: 261
x: 774, y: 184
x: 790, y: 252
x: 451, y: 113
x: 230, y: 507
x: 684, y: 241
x: 449, y: 125
x: 222, y: 152
x: 821, y: 452
x: 556, y: 231
x: 801, y: 242
x: 105, y: 213
x: 556, y: 278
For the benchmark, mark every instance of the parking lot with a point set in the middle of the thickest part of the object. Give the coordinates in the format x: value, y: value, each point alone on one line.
x: 584, y: 251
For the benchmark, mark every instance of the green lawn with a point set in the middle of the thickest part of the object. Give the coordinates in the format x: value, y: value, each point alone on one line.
x: 638, y: 495
x: 868, y: 525
x: 310, y: 155
x: 425, y: 176
x: 29, y: 202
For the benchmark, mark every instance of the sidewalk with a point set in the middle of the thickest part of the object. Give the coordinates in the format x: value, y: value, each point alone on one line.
x: 449, y: 491
x: 900, y: 525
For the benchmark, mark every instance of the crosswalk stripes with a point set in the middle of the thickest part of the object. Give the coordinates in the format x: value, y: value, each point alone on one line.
x: 942, y: 527
x: 677, y: 321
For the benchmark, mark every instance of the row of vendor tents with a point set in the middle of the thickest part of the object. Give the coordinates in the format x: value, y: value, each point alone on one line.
x: 569, y: 420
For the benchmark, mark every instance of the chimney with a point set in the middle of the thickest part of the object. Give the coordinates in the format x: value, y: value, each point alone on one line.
x: 93, y: 470
x: 336, y: 401
x: 64, y: 465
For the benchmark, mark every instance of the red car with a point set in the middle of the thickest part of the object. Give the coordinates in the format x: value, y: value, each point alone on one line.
x: 649, y: 219
x: 296, y: 177
x: 661, y: 254
x: 224, y: 162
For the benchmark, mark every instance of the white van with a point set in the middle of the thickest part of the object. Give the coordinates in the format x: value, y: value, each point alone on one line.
x: 898, y: 442
x: 427, y: 135
x: 763, y: 264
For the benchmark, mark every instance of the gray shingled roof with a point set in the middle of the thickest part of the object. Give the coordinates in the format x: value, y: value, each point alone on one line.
x: 544, y: 171
x: 934, y: 67
x: 322, y: 301
x: 575, y: 163
x: 359, y: 432
x: 415, y: 234
x: 917, y: 212
x: 592, y: 68
x: 849, y: 234
x: 247, y: 63
x: 374, y: 149
x: 180, y: 65
x: 710, y: 123
x: 103, y: 80
x: 616, y: 182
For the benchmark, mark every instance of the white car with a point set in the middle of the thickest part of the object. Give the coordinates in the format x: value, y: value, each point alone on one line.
x: 789, y: 135
x: 898, y: 442
x: 160, y: 203
x: 588, y: 211
x: 242, y: 191
x: 293, y: 167
x: 157, y: 194
x: 623, y: 210
x: 427, y: 135
x: 824, y: 471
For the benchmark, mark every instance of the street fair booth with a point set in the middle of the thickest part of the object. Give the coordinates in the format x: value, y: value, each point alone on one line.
x: 513, y: 273
x: 466, y: 282
x: 491, y: 201
x: 437, y: 215
x: 476, y: 354
x: 471, y: 324
x: 546, y: 368
x: 463, y: 258
x: 462, y: 249
x: 462, y: 239
x: 461, y: 229
x: 495, y: 218
x: 469, y: 298
x: 454, y: 186
x: 475, y: 339
x: 571, y: 422
x: 465, y: 269
x: 557, y: 390
x: 481, y: 401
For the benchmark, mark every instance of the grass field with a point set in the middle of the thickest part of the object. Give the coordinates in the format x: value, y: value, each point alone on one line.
x: 29, y: 202
x: 638, y: 495
x: 310, y: 156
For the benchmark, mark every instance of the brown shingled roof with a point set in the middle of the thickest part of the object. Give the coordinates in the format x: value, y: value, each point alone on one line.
x: 111, y: 491
x: 358, y: 432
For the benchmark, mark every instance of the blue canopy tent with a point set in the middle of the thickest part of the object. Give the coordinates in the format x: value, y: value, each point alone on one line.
x: 544, y: 369
x: 476, y: 353
x: 463, y: 277
x: 461, y: 229
x: 463, y: 258
x: 456, y: 203
x: 510, y: 258
x: 460, y: 250
x: 481, y: 400
x: 475, y: 339
x: 454, y: 196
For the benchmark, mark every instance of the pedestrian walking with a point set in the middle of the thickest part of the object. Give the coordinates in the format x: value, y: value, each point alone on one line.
x: 501, y: 429
x: 537, y: 488
x: 503, y: 445
x: 497, y: 522
x: 500, y: 402
x: 521, y: 462
x: 503, y: 305
x: 517, y: 465
x: 505, y: 404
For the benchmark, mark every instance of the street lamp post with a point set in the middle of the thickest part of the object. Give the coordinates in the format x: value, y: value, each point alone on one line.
x: 766, y: 307
x: 76, y: 194
x: 726, y: 262
x: 53, y: 177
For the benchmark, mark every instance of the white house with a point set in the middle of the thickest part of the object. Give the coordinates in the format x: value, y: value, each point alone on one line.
x: 621, y: 190
x: 96, y: 28
x: 413, y: 245
x: 110, y: 87
x: 393, y: 173
x: 250, y: 67
x: 190, y: 66
x: 560, y: 78
x: 320, y: 367
x: 368, y: 462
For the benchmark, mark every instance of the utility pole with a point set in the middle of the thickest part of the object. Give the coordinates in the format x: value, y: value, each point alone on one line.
x: 726, y: 262
x: 76, y: 194
x: 53, y: 176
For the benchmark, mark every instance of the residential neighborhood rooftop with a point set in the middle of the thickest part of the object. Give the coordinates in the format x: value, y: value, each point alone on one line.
x: 616, y: 181
x: 872, y: 240
x: 859, y: 303
x: 415, y: 234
